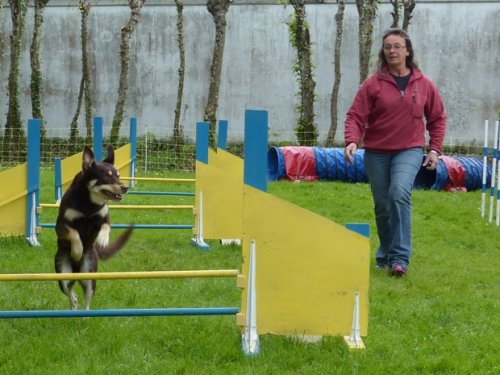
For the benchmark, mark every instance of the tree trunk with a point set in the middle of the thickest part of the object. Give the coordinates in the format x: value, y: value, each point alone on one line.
x: 36, y: 74
x: 85, y: 10
x: 178, y: 136
x: 84, y: 92
x: 339, y: 20
x: 14, y: 137
x: 367, y: 10
x: 396, y: 6
x: 306, y: 130
x: 408, y: 5
x: 73, y: 129
x: 218, y: 9
x: 126, y: 33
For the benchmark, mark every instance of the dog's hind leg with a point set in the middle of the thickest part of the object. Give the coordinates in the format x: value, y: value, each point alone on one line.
x: 88, y: 290
x: 89, y: 264
x: 67, y: 288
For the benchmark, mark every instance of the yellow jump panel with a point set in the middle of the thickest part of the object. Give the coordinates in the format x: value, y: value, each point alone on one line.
x: 122, y: 160
x: 308, y: 269
x: 221, y: 182
x: 70, y: 166
x: 13, y: 201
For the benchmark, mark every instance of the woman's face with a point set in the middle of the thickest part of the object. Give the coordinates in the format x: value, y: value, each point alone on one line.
x: 395, y: 50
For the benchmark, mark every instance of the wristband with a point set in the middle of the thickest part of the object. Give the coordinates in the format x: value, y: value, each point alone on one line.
x: 434, y: 151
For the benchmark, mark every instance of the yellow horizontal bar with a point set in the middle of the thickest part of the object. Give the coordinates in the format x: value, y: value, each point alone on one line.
x: 158, y: 179
x: 135, y: 207
x: 117, y: 275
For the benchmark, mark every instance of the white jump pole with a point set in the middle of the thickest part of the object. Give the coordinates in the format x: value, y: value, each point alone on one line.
x: 493, y: 172
x: 485, y: 161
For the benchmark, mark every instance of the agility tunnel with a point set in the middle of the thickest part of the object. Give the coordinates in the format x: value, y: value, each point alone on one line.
x: 454, y: 173
x: 316, y: 163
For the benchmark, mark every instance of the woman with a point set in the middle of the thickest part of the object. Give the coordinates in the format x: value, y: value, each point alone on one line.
x: 387, y: 117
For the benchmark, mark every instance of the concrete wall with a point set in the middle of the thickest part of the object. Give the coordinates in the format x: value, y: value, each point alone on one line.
x: 457, y: 44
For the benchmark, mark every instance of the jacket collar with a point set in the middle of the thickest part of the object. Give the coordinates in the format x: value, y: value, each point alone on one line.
x: 383, y: 74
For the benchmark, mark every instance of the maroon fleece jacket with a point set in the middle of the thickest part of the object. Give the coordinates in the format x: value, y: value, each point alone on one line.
x: 384, y: 120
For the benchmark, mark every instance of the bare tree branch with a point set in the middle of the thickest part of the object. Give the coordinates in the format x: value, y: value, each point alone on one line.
x: 339, y: 20
x: 218, y: 9
x: 126, y: 33
x: 178, y: 136
x: 409, y: 5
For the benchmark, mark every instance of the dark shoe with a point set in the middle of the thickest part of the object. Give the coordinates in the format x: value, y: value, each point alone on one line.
x: 382, y: 266
x: 398, y: 270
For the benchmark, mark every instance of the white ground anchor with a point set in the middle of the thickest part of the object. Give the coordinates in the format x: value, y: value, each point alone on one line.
x: 32, y: 239
x: 250, y: 338
x: 230, y: 241
x: 354, y: 341
x: 198, y: 240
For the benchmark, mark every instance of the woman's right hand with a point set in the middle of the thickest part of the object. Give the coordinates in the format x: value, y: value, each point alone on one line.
x: 349, y: 152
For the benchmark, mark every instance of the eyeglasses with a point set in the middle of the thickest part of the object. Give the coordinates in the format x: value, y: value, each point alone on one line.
x: 395, y: 47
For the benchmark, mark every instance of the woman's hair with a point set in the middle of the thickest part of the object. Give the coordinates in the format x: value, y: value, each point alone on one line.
x: 410, y: 59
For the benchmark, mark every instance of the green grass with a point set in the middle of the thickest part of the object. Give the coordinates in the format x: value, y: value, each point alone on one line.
x: 442, y: 318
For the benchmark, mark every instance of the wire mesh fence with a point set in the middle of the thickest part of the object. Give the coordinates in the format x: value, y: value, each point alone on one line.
x: 166, y: 153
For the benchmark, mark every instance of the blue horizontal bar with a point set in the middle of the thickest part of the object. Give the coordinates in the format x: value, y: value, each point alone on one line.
x: 179, y: 193
x: 136, y: 226
x: 119, y: 312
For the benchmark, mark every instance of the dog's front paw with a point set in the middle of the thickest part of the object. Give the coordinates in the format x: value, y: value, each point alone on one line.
x: 102, y: 239
x: 76, y: 243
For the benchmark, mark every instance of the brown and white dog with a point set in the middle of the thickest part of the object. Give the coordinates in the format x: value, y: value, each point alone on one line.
x: 83, y: 223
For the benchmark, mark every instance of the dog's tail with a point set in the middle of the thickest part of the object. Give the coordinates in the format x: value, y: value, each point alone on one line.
x: 115, y: 246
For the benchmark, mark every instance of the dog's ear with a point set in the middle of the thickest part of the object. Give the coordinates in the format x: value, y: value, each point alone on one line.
x: 110, y: 159
x: 88, y: 158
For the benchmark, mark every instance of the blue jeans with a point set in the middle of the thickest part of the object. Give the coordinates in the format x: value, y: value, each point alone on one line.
x: 391, y: 177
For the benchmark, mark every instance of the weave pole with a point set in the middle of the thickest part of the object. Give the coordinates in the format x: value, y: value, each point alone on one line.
x: 485, y: 161
x: 493, y: 172
x: 117, y: 275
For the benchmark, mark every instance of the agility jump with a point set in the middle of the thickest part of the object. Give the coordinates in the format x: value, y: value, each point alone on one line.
x: 126, y: 157
x: 19, y: 196
x: 312, y: 275
x: 301, y: 273
x: 125, y: 161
